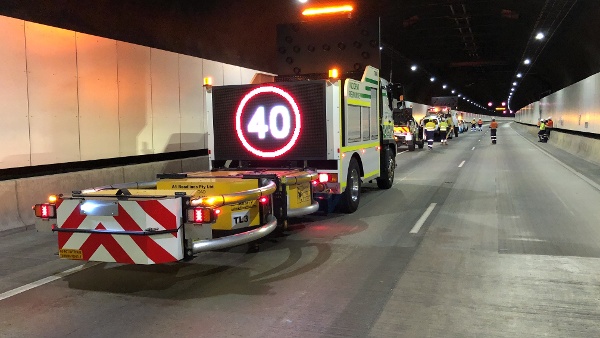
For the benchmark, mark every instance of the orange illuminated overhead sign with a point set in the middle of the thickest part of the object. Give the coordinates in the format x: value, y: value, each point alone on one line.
x: 327, y: 10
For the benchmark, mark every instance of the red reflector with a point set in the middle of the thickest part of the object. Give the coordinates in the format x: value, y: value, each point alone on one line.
x: 323, y: 178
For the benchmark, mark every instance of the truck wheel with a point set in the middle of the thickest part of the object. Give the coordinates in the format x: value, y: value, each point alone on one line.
x: 387, y: 174
x: 411, y: 147
x: 351, y: 196
x: 421, y: 144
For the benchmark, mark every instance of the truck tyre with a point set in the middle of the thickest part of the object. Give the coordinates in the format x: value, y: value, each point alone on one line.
x: 421, y: 144
x: 411, y: 147
x: 351, y: 196
x: 387, y: 173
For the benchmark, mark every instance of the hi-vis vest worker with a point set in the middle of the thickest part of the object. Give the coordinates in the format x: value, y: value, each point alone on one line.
x: 430, y: 131
x: 443, y: 132
x: 443, y: 125
x: 493, y: 127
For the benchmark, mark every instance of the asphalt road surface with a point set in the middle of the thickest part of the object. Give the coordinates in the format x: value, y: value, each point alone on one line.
x: 473, y: 240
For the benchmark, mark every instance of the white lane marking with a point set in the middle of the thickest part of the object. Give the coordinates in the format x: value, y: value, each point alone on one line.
x: 46, y: 280
x: 461, y: 164
x: 527, y: 239
x: 401, y: 152
x: 423, y: 218
x: 473, y: 148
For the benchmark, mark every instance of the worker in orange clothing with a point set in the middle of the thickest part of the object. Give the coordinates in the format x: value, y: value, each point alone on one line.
x: 549, y: 125
x: 493, y: 127
x: 480, y: 125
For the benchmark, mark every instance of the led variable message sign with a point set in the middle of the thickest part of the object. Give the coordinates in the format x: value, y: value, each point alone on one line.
x: 273, y: 121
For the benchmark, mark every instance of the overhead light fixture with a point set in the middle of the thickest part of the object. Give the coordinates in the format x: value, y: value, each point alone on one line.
x: 432, y: 79
x: 453, y: 91
x: 519, y: 75
x: 503, y: 104
x: 512, y: 89
x: 514, y: 83
x: 327, y: 10
x: 490, y: 104
x: 459, y: 95
x: 413, y: 68
x: 444, y: 86
x: 527, y: 61
x: 380, y: 48
x: 539, y: 36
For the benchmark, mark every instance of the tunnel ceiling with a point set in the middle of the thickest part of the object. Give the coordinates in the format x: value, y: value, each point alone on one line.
x: 475, y: 47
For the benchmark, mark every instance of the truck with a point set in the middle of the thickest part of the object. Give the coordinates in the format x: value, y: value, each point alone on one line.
x: 407, y: 130
x: 280, y: 149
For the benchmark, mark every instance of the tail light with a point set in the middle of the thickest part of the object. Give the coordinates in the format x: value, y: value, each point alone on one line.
x: 202, y: 215
x: 45, y: 210
x: 328, y: 178
x: 265, y: 208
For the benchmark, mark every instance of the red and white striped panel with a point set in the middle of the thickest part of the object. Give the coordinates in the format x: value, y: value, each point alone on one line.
x: 124, y: 248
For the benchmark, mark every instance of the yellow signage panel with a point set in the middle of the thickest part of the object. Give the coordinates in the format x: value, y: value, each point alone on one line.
x: 70, y: 253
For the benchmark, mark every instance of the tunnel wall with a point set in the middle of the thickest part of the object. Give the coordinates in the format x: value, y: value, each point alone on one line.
x: 575, y: 108
x: 68, y: 96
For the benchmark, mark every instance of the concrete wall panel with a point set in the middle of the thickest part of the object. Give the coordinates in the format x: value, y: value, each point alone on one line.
x: 15, y: 151
x: 193, y: 117
x: 135, y: 100
x: 166, y: 131
x: 53, y: 109
x: 9, y: 211
x: 98, y: 97
x: 232, y: 75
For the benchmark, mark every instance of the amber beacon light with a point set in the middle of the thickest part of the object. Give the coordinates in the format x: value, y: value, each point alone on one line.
x: 327, y: 10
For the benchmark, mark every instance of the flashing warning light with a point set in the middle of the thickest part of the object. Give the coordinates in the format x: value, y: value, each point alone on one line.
x: 203, y: 215
x: 333, y: 73
x: 327, y: 10
x: 263, y: 200
x: 45, y: 210
x: 208, y: 81
x: 52, y: 199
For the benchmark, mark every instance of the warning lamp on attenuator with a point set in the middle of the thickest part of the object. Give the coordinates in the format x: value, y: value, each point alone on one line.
x: 45, y: 210
x: 208, y: 81
x: 202, y: 215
